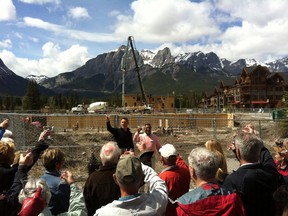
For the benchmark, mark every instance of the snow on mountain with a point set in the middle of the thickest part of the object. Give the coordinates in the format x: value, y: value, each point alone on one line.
x: 37, y: 79
x: 279, y: 65
x: 147, y: 56
x: 183, y: 57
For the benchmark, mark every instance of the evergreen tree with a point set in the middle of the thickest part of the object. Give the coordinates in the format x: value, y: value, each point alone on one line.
x: 73, y: 100
x: 31, y: 100
x: 7, y: 102
x: 282, y: 118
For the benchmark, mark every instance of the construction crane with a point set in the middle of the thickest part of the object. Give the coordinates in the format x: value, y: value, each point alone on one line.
x: 131, y: 46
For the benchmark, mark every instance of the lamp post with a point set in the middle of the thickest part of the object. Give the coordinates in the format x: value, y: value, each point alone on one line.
x: 180, y: 97
x: 203, y: 103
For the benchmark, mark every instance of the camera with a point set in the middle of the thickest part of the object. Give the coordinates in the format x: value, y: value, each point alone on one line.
x: 49, y: 128
x: 279, y: 143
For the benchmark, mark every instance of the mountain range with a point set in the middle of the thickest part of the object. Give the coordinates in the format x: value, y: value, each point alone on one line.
x: 161, y: 73
x: 13, y: 85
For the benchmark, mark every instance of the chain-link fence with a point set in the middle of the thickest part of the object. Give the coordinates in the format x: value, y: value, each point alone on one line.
x: 81, y: 135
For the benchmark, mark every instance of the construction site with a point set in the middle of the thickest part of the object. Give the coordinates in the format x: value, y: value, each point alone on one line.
x: 80, y: 136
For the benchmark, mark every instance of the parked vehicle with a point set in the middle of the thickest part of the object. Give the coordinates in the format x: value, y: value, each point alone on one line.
x: 137, y: 109
x: 98, y: 107
x: 79, y: 109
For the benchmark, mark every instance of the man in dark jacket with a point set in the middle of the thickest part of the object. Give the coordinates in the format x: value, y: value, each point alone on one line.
x: 100, y: 188
x: 255, y: 180
x: 122, y: 135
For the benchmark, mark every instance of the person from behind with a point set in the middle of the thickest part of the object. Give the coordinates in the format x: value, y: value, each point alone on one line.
x: 281, y: 160
x: 208, y: 198
x: 175, y: 174
x: 256, y: 178
x: 129, y: 175
x: 7, y: 172
x: 9, y: 163
x: 100, y: 188
x: 281, y: 198
x: 122, y: 135
x: 9, y: 205
x: 214, y: 146
x: 147, y: 141
x: 36, y: 204
x: 53, y: 161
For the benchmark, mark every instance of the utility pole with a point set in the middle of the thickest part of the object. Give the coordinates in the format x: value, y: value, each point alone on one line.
x: 124, y: 68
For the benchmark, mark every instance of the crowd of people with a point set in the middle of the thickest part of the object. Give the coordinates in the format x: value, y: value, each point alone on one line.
x: 127, y: 184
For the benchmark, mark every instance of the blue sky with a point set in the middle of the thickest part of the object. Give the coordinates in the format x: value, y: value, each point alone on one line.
x: 48, y: 37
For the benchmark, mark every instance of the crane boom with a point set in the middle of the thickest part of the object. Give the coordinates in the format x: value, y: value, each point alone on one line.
x: 131, y: 44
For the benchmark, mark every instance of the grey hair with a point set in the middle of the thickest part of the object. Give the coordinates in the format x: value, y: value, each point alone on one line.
x: 204, y: 162
x: 249, y: 146
x: 110, y: 157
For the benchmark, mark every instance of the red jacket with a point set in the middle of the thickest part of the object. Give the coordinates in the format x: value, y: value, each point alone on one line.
x: 217, y: 205
x: 210, y: 199
x: 177, y: 179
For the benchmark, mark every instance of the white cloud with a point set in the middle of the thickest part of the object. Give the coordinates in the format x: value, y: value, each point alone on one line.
x: 167, y: 21
x: 61, y: 31
x: 18, y: 35
x: 183, y: 26
x: 41, y: 2
x: 7, y: 10
x: 5, y: 44
x: 78, y: 13
x: 209, y: 26
x: 38, y: 23
x: 34, y: 39
x: 114, y: 13
x: 258, y: 12
x: 54, y: 60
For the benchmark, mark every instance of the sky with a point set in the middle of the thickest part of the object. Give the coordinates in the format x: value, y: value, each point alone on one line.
x: 49, y: 37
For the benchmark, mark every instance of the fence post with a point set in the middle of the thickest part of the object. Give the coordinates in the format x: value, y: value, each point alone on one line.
x: 260, y: 134
x: 214, y: 128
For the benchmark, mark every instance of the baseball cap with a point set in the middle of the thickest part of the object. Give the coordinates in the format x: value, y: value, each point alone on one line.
x: 8, y: 134
x: 129, y: 170
x: 145, y: 157
x: 167, y: 150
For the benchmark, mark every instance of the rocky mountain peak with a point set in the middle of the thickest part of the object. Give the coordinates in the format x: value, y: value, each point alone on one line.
x: 280, y: 65
x: 4, y: 70
x: 162, y: 58
x: 147, y: 56
x: 36, y: 78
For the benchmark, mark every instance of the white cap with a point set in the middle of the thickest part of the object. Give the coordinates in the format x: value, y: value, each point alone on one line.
x: 8, y: 133
x: 167, y: 150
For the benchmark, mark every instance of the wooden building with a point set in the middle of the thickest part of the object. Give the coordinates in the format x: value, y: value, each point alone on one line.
x: 256, y: 87
x: 160, y: 102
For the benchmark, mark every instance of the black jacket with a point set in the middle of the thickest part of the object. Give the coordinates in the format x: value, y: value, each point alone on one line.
x: 100, y: 189
x: 7, y: 172
x: 123, y: 138
x: 257, y: 183
x: 10, y: 205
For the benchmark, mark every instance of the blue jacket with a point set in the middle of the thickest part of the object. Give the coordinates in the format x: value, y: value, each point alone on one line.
x: 77, y: 204
x: 60, y: 192
x: 2, y: 131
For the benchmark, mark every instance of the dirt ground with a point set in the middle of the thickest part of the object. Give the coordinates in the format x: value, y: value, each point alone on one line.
x: 79, y: 145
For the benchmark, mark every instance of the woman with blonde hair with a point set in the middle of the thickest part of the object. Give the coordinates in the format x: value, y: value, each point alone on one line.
x: 214, y: 146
